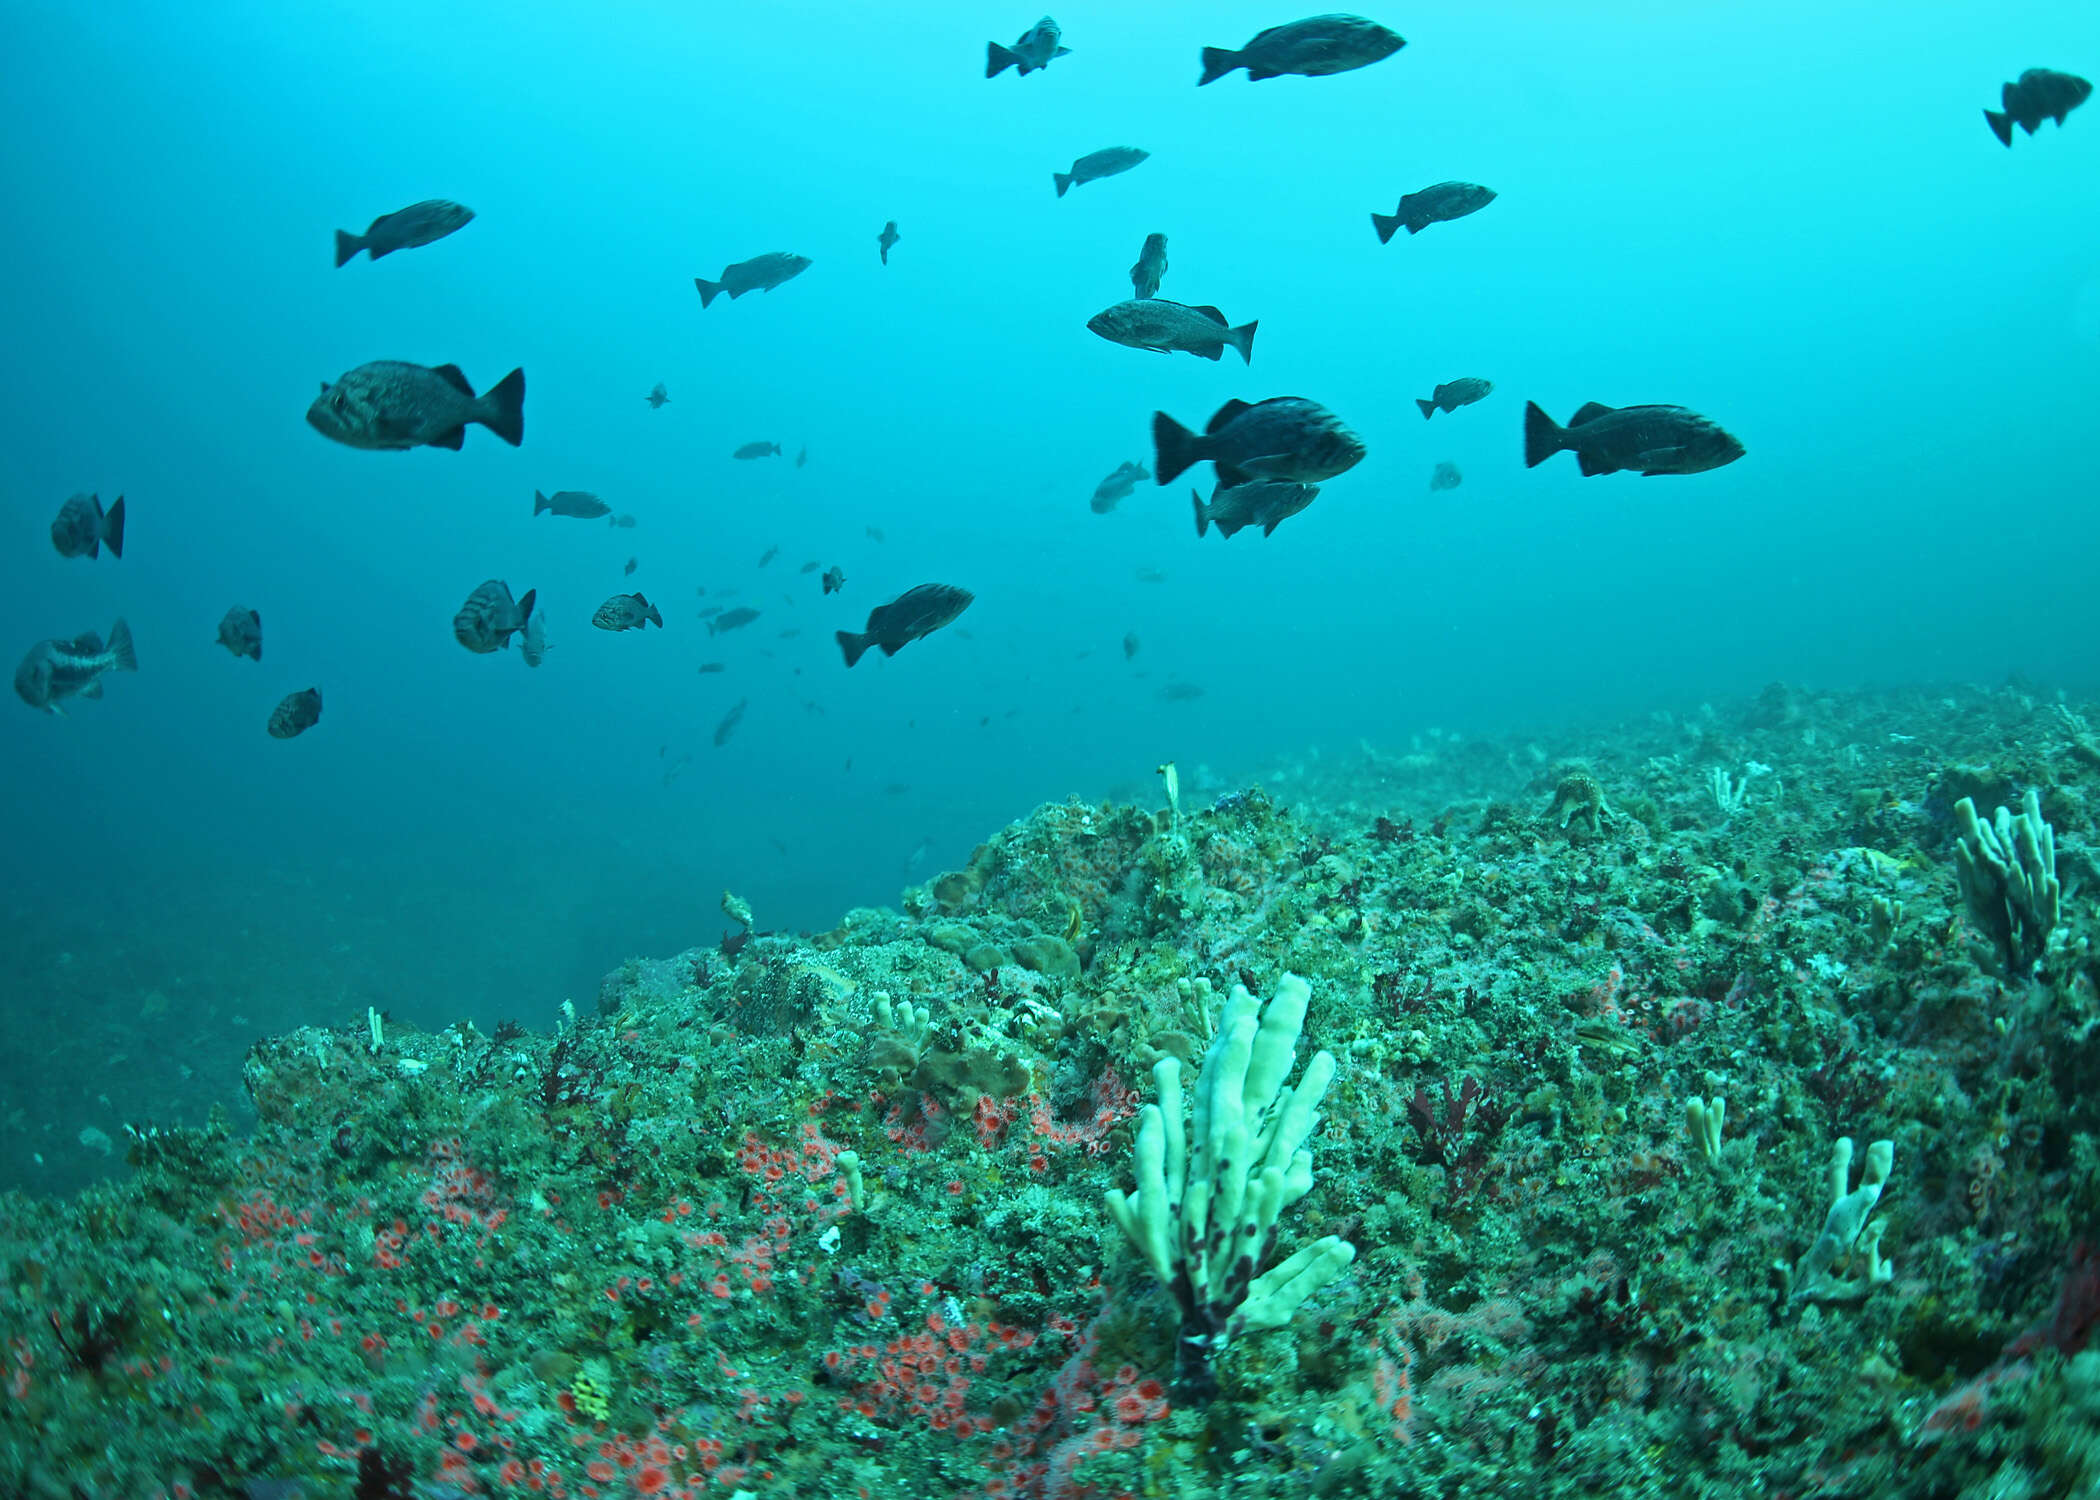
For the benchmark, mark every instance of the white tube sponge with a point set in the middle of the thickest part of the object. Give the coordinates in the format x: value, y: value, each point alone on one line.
x: 2007, y: 869
x: 1844, y: 1225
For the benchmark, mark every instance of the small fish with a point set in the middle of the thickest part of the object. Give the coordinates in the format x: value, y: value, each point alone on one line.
x: 1117, y: 485
x: 916, y: 612
x: 1445, y: 477
x: 802, y: 456
x: 623, y: 522
x: 790, y: 633
x: 757, y: 450
x: 490, y: 617
x: 1151, y: 267
x: 1313, y: 48
x: 834, y: 579
x: 1037, y: 46
x: 759, y: 274
x: 391, y: 404
x: 768, y: 555
x: 532, y: 638
x: 887, y: 238
x: 55, y: 670
x: 580, y: 505
x: 875, y: 534
x: 2039, y: 94
x: 707, y: 667
x: 1266, y: 503
x: 729, y: 722
x: 1453, y: 394
x: 1130, y: 645
x: 1095, y: 165
x: 657, y: 397
x: 1652, y: 439
x: 1150, y: 575
x: 83, y: 528
x: 627, y: 612
x: 1284, y: 437
x: 809, y: 567
x: 1161, y: 326
x: 1179, y: 692
x: 405, y: 229
x: 735, y: 619
x: 632, y: 564
x: 1436, y: 204
x: 240, y: 631
x: 294, y: 714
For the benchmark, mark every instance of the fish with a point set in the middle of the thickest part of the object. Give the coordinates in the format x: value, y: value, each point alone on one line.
x: 404, y: 229
x: 627, y: 612
x: 802, y: 456
x: 1445, y: 477
x: 490, y: 617
x: 2039, y: 94
x: 83, y: 528
x: 54, y: 670
x: 657, y: 397
x: 1312, y: 48
x: 887, y: 238
x: 391, y: 404
x: 632, y: 564
x: 1095, y: 165
x: 761, y: 273
x: 809, y: 567
x: 1151, y: 267
x: 1284, y: 437
x: 707, y: 667
x: 1037, y: 46
x: 1435, y: 204
x: 1453, y: 394
x: 768, y: 555
x: 1116, y: 486
x: 1130, y: 645
x: 295, y: 713
x: 1652, y: 439
x: 735, y: 619
x: 757, y: 450
x: 1266, y: 503
x: 1161, y: 326
x: 874, y: 534
x: 532, y: 638
x: 580, y: 505
x: 729, y: 722
x: 624, y: 522
x: 893, y: 626
x: 790, y: 633
x: 834, y: 579
x: 240, y: 631
x: 1179, y: 692
x: 1150, y: 575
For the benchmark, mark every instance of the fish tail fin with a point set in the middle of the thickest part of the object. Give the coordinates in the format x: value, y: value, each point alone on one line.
x: 1243, y: 340
x: 254, y: 651
x: 709, y: 290
x: 121, y: 648
x: 1217, y: 62
x: 113, y: 527
x: 1063, y: 181
x: 1543, y: 436
x: 1428, y: 408
x: 998, y: 59
x: 1174, y: 448
x: 503, y: 408
x: 1202, y: 515
x: 2001, y: 126
x: 346, y: 247
x: 854, y: 646
x: 1385, y: 224
x: 540, y: 503
x: 525, y: 606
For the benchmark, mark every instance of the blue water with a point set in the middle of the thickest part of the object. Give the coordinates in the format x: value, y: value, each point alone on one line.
x: 1790, y: 219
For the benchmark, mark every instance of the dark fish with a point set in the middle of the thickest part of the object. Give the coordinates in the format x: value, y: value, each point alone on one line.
x: 1453, y: 394
x: 390, y: 404
x: 759, y: 274
x: 1150, y: 575
x: 580, y: 505
x: 757, y: 450
x: 490, y: 617
x: 875, y: 533
x: 1445, y: 477
x: 1162, y: 326
x: 55, y: 670
x: 834, y: 579
x: 83, y: 527
x: 294, y: 714
x: 2040, y: 94
x: 768, y: 555
x: 632, y: 564
x: 735, y: 619
x: 1312, y: 48
x: 809, y: 567
x: 1435, y: 204
x: 802, y: 457
x: 417, y: 224
x: 1266, y: 503
x: 729, y: 722
x: 1652, y: 439
x: 532, y: 638
x: 657, y: 397
x: 710, y: 611
x: 915, y: 613
x: 1038, y: 44
x: 887, y: 238
x: 624, y: 522
x: 1096, y: 165
x: 1179, y: 692
x: 627, y: 612
x: 790, y: 633
x: 713, y: 666
x: 1151, y: 267
x: 1284, y: 437
x: 1116, y: 486
x: 1130, y: 645
x: 240, y: 632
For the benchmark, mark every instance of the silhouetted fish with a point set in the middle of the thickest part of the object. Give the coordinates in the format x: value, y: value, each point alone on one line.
x: 240, y: 631
x: 757, y: 450
x: 1284, y: 437
x: 580, y: 505
x: 625, y: 523
x: 294, y: 714
x: 1095, y: 165
x: 1151, y: 267
x: 490, y: 617
x: 657, y: 397
x: 1162, y: 326
x: 1266, y: 503
x: 82, y: 528
x: 887, y: 238
x: 735, y: 619
x: 834, y: 579
x: 404, y: 229
x: 1435, y: 204
x: 759, y: 274
x: 55, y: 670
x: 916, y: 612
x: 1037, y: 46
x: 1313, y: 48
x: 1652, y: 439
x: 632, y: 564
x: 768, y: 555
x: 707, y: 667
x: 532, y: 638
x: 391, y: 404
x: 1445, y: 477
x: 627, y: 612
x: 729, y: 722
x: 2039, y: 94
x: 1453, y: 394
x: 1116, y: 486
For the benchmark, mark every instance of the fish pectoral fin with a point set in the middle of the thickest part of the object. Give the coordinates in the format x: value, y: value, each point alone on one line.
x: 455, y: 439
x: 1268, y: 466
x: 453, y: 376
x: 1230, y: 478
x: 1589, y: 411
x: 1660, y: 458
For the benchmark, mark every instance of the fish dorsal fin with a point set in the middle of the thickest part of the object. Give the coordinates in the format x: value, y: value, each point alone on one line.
x: 85, y: 645
x: 1213, y: 314
x: 1228, y: 412
x: 453, y: 376
x: 1589, y: 411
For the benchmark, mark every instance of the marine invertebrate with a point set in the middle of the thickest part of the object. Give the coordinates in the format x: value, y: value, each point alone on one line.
x: 2007, y: 869
x: 1815, y: 1275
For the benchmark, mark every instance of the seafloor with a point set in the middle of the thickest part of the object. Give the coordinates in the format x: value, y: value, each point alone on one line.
x: 622, y: 1259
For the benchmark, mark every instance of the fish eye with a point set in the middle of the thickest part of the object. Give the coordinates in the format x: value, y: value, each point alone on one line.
x: 336, y: 400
